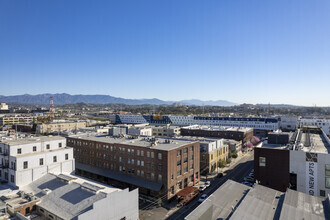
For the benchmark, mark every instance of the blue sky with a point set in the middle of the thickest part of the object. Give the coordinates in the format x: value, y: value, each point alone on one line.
x: 244, y: 51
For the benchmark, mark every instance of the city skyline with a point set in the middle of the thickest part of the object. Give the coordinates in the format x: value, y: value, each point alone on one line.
x: 239, y: 51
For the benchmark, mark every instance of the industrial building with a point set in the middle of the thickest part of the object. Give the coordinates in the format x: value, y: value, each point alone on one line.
x: 165, y: 131
x: 237, y: 201
x: 55, y: 127
x: 12, y: 119
x: 238, y: 134
x: 160, y: 167
x: 302, y: 165
x: 24, y: 160
x: 71, y: 197
x: 323, y: 123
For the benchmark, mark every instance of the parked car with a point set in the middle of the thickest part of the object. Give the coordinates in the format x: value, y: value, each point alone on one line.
x: 207, y: 183
x: 251, y: 175
x: 202, y: 188
x: 202, y: 198
x: 220, y: 175
x: 249, y: 179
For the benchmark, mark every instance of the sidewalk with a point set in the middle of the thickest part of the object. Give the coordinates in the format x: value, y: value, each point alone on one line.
x: 232, y: 164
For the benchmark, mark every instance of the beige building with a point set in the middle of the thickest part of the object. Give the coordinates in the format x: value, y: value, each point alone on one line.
x: 15, y: 119
x: 165, y: 131
x: 59, y: 126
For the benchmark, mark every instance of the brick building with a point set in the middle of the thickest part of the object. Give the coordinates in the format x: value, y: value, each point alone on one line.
x: 158, y: 167
x: 235, y: 133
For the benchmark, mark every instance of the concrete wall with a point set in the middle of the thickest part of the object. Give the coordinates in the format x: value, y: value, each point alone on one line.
x: 298, y: 166
x: 116, y: 205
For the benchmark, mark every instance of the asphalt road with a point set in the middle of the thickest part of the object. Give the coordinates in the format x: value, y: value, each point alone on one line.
x: 237, y: 173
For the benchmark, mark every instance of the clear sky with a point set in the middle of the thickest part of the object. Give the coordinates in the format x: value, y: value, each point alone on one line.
x: 244, y: 51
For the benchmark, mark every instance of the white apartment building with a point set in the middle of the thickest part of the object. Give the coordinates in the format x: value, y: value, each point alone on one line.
x: 24, y: 160
x: 323, y: 123
x: 288, y: 122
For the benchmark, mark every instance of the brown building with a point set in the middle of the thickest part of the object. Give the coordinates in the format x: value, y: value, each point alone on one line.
x: 271, y: 168
x: 159, y: 167
x: 235, y: 133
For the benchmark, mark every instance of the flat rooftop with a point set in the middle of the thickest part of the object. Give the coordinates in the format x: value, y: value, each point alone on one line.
x: 217, y: 128
x: 161, y: 143
x: 29, y: 140
x: 318, y: 144
x: 67, y: 195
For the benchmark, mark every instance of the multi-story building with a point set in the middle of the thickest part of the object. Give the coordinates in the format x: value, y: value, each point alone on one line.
x: 140, y: 131
x: 305, y: 167
x: 212, y: 153
x: 238, y: 134
x: 3, y: 106
x: 288, y: 122
x: 323, y: 123
x: 15, y: 119
x: 159, y: 167
x: 59, y: 126
x: 71, y: 197
x: 165, y: 131
x: 265, y: 124
x: 24, y: 160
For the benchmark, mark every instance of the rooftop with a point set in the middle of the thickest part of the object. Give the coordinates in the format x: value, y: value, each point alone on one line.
x: 217, y: 128
x: 159, y: 143
x: 315, y: 144
x: 29, y: 140
x: 237, y: 201
x: 67, y: 195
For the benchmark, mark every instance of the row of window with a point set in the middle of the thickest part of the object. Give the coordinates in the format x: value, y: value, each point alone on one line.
x: 41, y: 161
x: 34, y: 148
x: 185, y: 151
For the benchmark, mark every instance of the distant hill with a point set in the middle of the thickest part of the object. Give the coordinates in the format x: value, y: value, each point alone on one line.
x: 63, y: 98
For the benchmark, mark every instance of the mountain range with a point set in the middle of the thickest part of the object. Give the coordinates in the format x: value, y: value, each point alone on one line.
x: 63, y: 98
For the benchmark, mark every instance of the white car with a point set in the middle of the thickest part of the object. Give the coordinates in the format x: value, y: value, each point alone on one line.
x: 207, y: 183
x: 202, y: 188
x: 202, y: 198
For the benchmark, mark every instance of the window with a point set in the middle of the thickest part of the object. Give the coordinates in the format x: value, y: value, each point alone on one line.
x: 160, y: 177
x: 138, y: 152
x: 47, y: 146
x: 66, y: 156
x: 34, y: 148
x: 54, y: 159
x: 172, y: 176
x: 152, y: 176
x: 327, y: 169
x: 196, y: 175
x: 185, y: 169
x: 178, y: 153
x: 59, y: 144
x: 185, y: 160
x: 179, y: 173
x: 19, y: 150
x: 192, y: 148
x: 262, y: 161
x: 138, y: 172
x: 159, y: 156
x: 138, y: 162
x: 152, y: 154
x: 142, y: 173
x: 25, y: 165
x: 159, y: 167
x: 327, y: 182
x: 185, y: 150
x: 178, y: 163
x: 322, y: 193
x: 142, y: 163
x: 12, y: 179
x: 142, y: 153
x: 41, y: 161
x: 148, y: 154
